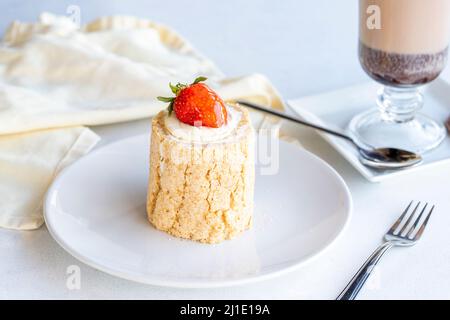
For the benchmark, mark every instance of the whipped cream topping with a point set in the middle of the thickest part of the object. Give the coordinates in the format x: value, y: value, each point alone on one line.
x: 190, y: 133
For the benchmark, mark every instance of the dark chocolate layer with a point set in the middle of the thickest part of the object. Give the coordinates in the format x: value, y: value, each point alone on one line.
x: 401, y: 69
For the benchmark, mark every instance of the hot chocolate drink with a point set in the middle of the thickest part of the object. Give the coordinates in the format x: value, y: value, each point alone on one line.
x: 402, y: 45
x: 408, y: 45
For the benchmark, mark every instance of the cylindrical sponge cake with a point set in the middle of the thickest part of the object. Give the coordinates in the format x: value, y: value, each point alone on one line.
x: 201, y: 191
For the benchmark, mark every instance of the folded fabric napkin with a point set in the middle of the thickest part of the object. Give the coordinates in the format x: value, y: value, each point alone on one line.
x: 56, y: 78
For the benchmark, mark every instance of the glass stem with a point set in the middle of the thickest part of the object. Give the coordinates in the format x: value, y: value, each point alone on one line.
x: 399, y: 104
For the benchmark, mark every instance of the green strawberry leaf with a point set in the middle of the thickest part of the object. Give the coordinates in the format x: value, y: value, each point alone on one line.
x: 175, y: 89
x: 166, y: 99
x: 170, y: 108
x: 199, y: 79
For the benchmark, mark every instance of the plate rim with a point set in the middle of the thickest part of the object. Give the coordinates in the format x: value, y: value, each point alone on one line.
x: 156, y: 281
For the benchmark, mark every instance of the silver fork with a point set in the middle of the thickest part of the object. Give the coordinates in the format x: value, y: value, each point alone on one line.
x: 404, y: 232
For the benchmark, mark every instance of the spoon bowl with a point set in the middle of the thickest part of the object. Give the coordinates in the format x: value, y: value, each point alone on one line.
x: 389, y: 158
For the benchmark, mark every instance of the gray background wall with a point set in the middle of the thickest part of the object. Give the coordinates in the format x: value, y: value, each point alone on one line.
x: 303, y: 46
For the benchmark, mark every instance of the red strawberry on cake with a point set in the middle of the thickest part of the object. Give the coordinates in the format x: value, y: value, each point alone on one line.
x: 197, y: 105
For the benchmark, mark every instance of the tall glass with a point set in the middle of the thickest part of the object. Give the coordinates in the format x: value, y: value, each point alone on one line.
x: 403, y: 45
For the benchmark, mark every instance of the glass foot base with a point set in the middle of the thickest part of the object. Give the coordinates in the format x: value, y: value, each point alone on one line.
x: 419, y: 135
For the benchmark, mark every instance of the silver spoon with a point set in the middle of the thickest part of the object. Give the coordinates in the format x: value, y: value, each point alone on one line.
x: 379, y: 158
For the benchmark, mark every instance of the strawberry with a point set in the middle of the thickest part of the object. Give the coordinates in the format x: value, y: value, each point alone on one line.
x: 196, y: 104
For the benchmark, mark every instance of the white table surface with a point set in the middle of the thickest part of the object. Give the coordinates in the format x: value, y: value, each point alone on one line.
x: 304, y: 47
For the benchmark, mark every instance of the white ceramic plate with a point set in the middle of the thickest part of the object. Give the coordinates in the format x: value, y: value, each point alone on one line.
x: 336, y: 108
x: 95, y: 210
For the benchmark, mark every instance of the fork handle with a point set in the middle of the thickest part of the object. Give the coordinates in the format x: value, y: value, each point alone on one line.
x: 351, y: 290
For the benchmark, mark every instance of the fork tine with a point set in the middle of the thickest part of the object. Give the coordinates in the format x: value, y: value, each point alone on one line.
x: 424, y: 224
x: 414, y: 226
x: 411, y: 216
x: 399, y: 220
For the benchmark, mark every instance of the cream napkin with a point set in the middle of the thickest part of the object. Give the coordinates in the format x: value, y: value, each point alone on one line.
x: 55, y: 75
x: 28, y: 163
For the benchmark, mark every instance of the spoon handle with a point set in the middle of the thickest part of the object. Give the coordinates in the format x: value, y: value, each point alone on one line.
x: 303, y: 122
